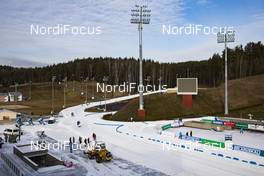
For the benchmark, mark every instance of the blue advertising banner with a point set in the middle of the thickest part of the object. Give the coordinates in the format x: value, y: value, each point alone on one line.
x: 248, y: 149
x: 189, y: 138
x: 218, y: 122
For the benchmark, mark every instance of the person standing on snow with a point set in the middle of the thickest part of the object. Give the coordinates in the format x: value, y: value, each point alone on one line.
x: 41, y: 121
x: 73, y: 139
x: 180, y: 135
x: 241, y: 130
x: 30, y: 121
x: 85, y: 142
x: 88, y: 141
x: 94, y: 136
x: 79, y: 124
x: 191, y: 133
x: 70, y: 144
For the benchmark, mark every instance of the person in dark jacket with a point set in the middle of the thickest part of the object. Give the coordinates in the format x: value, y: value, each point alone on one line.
x: 80, y: 140
x: 70, y: 144
x: 1, y: 142
x: 73, y: 140
x: 85, y: 142
x: 94, y: 136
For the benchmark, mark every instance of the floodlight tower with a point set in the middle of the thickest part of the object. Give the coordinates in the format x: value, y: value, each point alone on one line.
x: 140, y: 15
x: 226, y: 37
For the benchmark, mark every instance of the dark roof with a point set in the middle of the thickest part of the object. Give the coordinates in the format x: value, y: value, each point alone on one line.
x: 3, y: 94
x: 15, y: 93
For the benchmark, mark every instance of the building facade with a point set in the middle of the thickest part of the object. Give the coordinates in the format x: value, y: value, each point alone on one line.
x: 6, y: 114
x: 4, y: 97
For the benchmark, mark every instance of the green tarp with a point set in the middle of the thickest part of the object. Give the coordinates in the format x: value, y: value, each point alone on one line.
x: 165, y: 127
x: 212, y: 143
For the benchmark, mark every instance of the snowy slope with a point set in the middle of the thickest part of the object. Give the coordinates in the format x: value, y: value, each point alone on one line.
x: 139, y: 149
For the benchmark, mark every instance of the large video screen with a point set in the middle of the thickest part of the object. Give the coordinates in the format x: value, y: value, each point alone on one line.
x: 187, y: 86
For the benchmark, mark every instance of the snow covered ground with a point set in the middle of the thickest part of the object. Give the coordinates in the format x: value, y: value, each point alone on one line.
x: 139, y: 149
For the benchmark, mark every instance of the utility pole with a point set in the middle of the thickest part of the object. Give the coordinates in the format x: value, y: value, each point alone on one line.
x: 92, y: 79
x: 140, y: 15
x: 176, y: 80
x: 29, y: 94
x: 129, y: 80
x: 86, y: 89
x: 64, y: 91
x: 105, y: 79
x: 73, y: 82
x: 15, y: 97
x: 160, y: 79
x: 226, y: 37
x: 52, y: 96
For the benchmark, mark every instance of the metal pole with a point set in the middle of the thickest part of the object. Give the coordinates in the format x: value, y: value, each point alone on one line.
x: 159, y: 83
x: 105, y: 79
x: 86, y: 99
x: 30, y: 83
x: 226, y: 88
x: 52, y: 108
x: 93, y: 87
x: 15, y: 92
x: 64, y: 95
x: 52, y: 90
x: 86, y: 90
x: 141, y: 101
x: 105, y: 100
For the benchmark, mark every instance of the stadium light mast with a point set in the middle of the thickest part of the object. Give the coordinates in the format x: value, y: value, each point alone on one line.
x: 226, y: 37
x: 140, y: 15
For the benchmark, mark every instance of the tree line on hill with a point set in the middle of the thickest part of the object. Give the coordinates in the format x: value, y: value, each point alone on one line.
x: 242, y: 62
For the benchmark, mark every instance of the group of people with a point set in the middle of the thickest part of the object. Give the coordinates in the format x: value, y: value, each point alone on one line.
x: 191, y: 133
x: 86, y: 141
x: 186, y: 134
